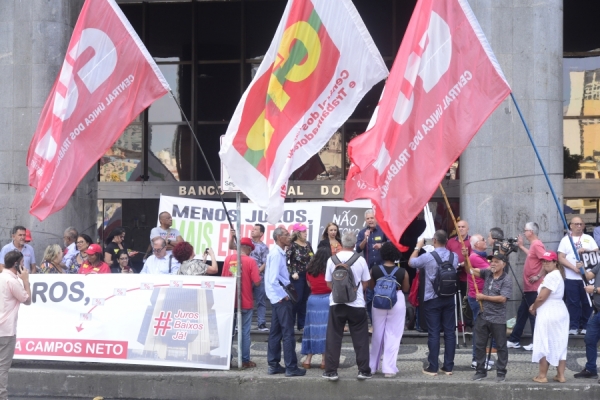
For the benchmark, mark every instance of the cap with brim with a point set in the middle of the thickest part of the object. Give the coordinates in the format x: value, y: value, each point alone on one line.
x: 247, y: 242
x: 298, y: 227
x: 498, y: 256
x: 94, y: 249
x: 549, y: 256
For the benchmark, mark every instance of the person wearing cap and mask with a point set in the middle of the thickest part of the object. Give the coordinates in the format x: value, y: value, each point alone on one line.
x: 551, y: 334
x: 299, y: 254
x: 250, y: 276
x: 497, y: 289
x: 94, y: 264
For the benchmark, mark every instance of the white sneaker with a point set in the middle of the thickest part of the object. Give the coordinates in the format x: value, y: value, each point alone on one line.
x: 573, y: 332
x: 528, y: 347
x: 513, y: 345
x: 488, y: 367
x: 490, y: 362
x: 582, y: 332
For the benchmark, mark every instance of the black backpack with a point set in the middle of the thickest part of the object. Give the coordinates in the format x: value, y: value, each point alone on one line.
x: 445, y: 282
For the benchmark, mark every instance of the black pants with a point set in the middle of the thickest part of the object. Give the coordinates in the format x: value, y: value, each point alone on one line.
x: 483, y: 329
x: 356, y: 317
x: 282, y: 330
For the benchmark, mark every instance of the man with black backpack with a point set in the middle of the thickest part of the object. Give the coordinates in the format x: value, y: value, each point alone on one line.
x: 438, y: 301
x: 347, y: 275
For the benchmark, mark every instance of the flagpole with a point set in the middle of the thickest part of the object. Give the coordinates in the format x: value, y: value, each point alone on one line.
x: 462, y: 242
x: 204, y: 157
x: 560, y: 209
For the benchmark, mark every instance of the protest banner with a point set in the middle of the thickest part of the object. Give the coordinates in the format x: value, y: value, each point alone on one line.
x: 169, y: 320
x: 590, y: 260
x: 204, y: 224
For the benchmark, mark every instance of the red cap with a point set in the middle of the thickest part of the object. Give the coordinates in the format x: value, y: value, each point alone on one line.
x: 27, y: 236
x: 549, y: 256
x: 94, y: 249
x: 247, y: 242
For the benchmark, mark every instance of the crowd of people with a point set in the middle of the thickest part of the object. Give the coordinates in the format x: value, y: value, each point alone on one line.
x: 356, y: 280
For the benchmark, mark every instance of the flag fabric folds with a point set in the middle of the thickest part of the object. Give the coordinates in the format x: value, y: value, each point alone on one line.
x: 322, y: 61
x: 107, y: 79
x: 444, y: 84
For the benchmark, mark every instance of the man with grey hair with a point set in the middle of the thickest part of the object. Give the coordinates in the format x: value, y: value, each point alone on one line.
x: 69, y: 239
x: 282, y: 319
x: 352, y: 313
x: 533, y: 275
x: 160, y: 262
x: 369, y: 241
x: 439, y: 310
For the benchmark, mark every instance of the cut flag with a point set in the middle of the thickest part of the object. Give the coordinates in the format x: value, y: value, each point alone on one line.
x: 320, y: 64
x: 107, y: 79
x: 444, y: 84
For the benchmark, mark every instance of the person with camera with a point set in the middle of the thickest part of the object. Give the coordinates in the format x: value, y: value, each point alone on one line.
x: 438, y: 310
x: 533, y: 275
x: 282, y: 319
x: 575, y: 296
x: 12, y: 294
x: 190, y: 265
x: 497, y: 289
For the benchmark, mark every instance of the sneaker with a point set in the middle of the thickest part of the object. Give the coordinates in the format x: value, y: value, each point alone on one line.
x: 586, y: 374
x: 444, y: 370
x: 330, y: 376
x: 582, y: 332
x: 275, y: 370
x: 573, y: 332
x: 295, y: 372
x: 364, y: 375
x: 479, y: 376
x: 263, y: 328
x: 513, y: 345
x: 429, y: 371
x: 500, y: 378
x: 528, y: 347
x: 488, y: 366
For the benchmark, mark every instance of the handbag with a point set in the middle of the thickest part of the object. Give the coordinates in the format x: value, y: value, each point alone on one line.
x: 290, y: 291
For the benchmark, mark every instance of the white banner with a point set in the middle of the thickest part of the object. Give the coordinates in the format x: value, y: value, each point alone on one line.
x: 204, y: 223
x: 170, y: 320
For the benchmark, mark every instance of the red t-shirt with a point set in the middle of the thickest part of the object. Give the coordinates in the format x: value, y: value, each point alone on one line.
x: 318, y: 284
x: 533, y: 266
x: 250, y: 275
x: 455, y: 246
x: 101, y: 268
x: 478, y: 262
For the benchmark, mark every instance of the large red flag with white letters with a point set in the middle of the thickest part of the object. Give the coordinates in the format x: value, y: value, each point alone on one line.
x: 444, y: 84
x: 107, y: 78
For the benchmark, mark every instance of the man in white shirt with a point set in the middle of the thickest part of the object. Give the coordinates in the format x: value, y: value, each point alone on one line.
x: 576, y: 298
x: 159, y: 262
x: 18, y: 243
x: 69, y: 239
x: 164, y: 230
x: 12, y: 295
x: 353, y: 313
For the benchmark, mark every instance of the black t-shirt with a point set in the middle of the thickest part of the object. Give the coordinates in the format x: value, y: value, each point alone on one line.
x: 112, y: 248
x: 399, y: 275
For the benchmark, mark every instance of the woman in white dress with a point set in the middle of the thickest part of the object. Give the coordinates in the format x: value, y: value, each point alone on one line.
x: 551, y: 334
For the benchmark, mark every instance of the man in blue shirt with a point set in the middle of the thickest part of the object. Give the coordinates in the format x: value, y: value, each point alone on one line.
x: 439, y: 311
x: 282, y: 321
x: 369, y: 241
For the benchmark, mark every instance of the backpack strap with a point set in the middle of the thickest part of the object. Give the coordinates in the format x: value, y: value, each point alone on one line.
x: 352, y: 259
x: 437, y: 258
x: 336, y: 260
x: 170, y: 259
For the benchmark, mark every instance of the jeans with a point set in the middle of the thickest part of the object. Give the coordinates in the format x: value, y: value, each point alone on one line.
x: 303, y: 291
x: 498, y: 331
x: 259, y: 297
x: 246, y: 325
x: 439, y: 314
x: 577, y: 303
x: 7, y: 351
x: 592, y: 336
x: 282, y: 328
x: 356, y: 317
x: 369, y: 302
x: 522, y: 315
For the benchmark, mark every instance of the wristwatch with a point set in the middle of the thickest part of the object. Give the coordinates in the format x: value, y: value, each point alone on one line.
x: 417, y: 248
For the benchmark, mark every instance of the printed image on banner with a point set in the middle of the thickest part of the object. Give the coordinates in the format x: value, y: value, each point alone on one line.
x: 320, y: 64
x: 204, y: 223
x: 179, y: 321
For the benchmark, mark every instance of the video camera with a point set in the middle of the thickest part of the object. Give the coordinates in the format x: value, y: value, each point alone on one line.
x: 506, y: 246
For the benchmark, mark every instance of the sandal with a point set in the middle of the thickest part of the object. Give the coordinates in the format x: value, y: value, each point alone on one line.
x: 557, y: 379
x: 306, y: 365
x: 322, y: 366
x: 540, y: 380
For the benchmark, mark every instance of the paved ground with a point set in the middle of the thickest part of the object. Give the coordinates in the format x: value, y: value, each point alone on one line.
x: 47, y: 380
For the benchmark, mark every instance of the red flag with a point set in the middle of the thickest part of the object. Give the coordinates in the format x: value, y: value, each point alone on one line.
x: 107, y: 78
x: 444, y: 84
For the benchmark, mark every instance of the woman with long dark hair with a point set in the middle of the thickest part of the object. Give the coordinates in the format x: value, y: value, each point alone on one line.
x: 331, y: 238
x: 83, y: 242
x: 317, y: 308
x: 298, y: 255
x: 114, y: 244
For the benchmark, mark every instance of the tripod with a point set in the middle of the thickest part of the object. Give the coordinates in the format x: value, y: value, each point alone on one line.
x: 462, y: 318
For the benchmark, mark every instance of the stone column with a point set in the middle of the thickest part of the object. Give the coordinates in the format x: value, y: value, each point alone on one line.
x: 34, y: 35
x: 502, y: 183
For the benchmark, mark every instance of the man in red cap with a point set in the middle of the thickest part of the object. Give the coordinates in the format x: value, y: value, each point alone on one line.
x: 94, y: 263
x: 250, y: 275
